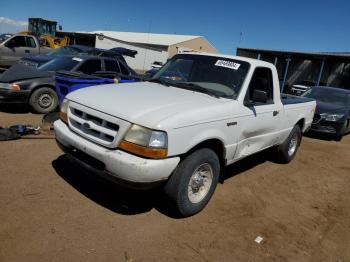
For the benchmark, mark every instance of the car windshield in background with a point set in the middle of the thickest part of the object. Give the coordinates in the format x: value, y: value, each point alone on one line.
x: 61, y: 63
x: 326, y: 95
x: 66, y: 50
x: 222, y: 77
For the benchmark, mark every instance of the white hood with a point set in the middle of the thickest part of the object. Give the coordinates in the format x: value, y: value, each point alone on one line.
x: 151, y: 104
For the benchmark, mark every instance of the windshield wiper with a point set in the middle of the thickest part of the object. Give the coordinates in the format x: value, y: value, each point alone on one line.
x: 195, y: 87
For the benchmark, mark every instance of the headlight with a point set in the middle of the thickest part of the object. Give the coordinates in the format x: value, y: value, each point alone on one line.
x: 145, y: 142
x: 63, y: 110
x: 5, y: 86
x: 331, y: 117
x: 13, y: 87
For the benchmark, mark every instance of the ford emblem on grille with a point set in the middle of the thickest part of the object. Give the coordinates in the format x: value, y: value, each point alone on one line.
x: 86, y: 125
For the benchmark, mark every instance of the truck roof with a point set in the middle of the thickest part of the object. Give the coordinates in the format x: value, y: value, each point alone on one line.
x: 252, y: 61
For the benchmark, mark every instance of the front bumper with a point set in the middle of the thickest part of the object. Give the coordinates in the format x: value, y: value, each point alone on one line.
x: 8, y: 96
x: 328, y: 127
x: 113, y: 163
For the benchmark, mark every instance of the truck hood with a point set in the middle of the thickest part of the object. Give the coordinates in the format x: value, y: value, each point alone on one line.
x: 19, y: 72
x: 153, y: 105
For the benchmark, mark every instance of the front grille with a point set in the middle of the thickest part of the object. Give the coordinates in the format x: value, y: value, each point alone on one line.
x: 96, y: 126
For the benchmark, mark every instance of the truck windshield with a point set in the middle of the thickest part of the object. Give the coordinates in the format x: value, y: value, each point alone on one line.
x: 217, y: 76
x: 326, y: 95
x: 60, y: 63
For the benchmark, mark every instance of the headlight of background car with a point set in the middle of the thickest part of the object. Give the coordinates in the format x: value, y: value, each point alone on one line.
x: 12, y: 87
x: 63, y: 110
x: 5, y: 86
x: 145, y: 142
x: 331, y: 117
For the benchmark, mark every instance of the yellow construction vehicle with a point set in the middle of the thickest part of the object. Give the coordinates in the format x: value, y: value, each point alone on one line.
x: 45, y: 31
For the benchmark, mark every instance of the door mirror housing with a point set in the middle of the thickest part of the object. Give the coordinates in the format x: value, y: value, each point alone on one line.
x: 259, y: 96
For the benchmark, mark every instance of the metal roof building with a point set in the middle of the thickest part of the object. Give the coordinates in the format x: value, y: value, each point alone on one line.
x: 320, y: 68
x: 151, y: 47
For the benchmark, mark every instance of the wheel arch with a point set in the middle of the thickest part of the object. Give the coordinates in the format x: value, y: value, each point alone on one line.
x: 301, y: 124
x: 218, y: 147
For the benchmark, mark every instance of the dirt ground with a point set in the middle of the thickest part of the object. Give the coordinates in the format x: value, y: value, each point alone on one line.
x: 52, y: 211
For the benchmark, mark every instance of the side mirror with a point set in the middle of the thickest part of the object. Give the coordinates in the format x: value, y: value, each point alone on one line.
x: 259, y: 96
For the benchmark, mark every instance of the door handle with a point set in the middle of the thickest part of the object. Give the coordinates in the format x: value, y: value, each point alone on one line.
x: 275, y: 113
x: 27, y: 51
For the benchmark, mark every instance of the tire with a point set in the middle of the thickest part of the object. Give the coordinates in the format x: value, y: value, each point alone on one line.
x: 193, y: 182
x: 288, y: 149
x: 43, y: 100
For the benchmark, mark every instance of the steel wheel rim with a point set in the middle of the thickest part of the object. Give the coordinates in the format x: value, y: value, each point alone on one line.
x: 293, y: 144
x: 45, y: 100
x: 200, y: 183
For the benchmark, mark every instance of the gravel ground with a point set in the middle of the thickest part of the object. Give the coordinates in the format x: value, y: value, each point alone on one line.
x: 51, y: 210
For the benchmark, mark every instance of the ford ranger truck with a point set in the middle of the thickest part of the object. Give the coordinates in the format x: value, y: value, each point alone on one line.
x: 198, y: 114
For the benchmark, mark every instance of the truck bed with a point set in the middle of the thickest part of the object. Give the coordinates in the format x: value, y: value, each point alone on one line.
x: 289, y: 99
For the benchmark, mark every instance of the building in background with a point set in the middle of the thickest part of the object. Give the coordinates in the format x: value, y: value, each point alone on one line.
x: 331, y: 69
x: 151, y: 47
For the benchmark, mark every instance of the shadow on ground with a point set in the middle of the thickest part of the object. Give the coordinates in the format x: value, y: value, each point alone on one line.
x: 129, y: 201
x: 110, y: 195
x: 320, y: 136
x: 14, y: 108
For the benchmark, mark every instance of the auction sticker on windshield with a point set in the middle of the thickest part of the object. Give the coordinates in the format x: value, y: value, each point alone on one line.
x: 227, y: 64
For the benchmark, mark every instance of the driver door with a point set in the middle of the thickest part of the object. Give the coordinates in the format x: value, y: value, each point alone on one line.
x: 261, y: 121
x: 13, y: 50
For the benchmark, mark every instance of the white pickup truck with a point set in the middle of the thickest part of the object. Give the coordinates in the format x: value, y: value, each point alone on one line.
x: 13, y: 48
x: 198, y: 114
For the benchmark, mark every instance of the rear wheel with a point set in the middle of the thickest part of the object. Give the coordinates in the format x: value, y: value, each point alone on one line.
x: 43, y: 100
x: 193, y: 182
x: 288, y: 149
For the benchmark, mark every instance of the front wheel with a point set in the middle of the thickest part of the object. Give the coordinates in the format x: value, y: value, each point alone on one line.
x: 288, y: 149
x: 43, y: 100
x: 194, y: 181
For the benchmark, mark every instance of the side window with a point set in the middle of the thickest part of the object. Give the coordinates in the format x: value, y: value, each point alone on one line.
x: 30, y: 42
x: 90, y: 66
x: 112, y: 65
x: 261, y: 80
x: 123, y: 69
x: 18, y: 41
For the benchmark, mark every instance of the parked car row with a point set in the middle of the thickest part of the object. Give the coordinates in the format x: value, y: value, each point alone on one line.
x: 32, y: 80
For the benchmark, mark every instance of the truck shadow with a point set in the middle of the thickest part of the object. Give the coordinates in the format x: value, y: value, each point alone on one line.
x: 110, y: 195
x: 247, y: 163
x: 128, y: 201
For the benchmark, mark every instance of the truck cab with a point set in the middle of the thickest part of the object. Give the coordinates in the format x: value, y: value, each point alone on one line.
x: 18, y: 46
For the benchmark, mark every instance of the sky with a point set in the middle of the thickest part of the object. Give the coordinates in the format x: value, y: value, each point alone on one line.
x: 284, y: 25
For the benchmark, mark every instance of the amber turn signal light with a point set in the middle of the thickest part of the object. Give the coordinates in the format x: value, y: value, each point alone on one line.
x: 143, y: 151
